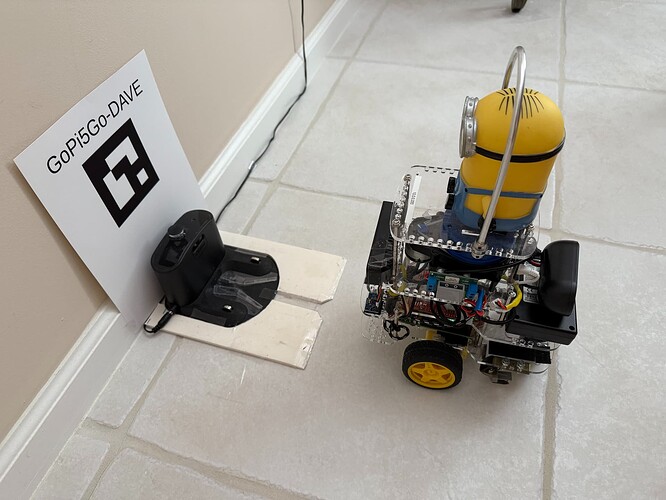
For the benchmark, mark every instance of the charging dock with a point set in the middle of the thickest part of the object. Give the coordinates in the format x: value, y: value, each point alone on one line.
x: 281, y: 332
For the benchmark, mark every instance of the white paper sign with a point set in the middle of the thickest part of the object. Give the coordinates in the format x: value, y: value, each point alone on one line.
x: 113, y: 175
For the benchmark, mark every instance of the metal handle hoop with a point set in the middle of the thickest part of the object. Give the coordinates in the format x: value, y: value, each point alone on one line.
x: 517, y: 56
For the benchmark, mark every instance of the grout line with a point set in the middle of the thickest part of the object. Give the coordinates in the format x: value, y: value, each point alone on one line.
x: 260, y: 205
x: 260, y: 180
x: 448, y: 69
x: 371, y: 26
x: 338, y: 58
x: 555, y: 231
x: 116, y: 437
x: 614, y: 86
x: 348, y: 197
x: 274, y: 184
x: 277, y: 182
x: 551, y: 398
x: 129, y: 420
x: 559, y: 167
x: 655, y: 250
x: 120, y: 439
x: 551, y: 409
x: 558, y: 80
x: 230, y: 479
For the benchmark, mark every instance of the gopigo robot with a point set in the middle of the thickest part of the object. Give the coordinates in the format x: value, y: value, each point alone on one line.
x: 454, y: 265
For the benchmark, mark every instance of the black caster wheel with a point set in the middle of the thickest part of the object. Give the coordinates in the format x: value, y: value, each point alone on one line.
x: 432, y: 364
x: 516, y: 5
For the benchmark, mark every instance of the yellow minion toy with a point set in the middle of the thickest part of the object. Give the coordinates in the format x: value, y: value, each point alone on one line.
x: 483, y: 136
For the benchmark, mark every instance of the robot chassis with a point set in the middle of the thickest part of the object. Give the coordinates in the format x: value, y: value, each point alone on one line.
x: 459, y: 291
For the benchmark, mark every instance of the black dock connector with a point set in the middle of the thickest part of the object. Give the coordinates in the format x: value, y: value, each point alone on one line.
x: 380, y: 260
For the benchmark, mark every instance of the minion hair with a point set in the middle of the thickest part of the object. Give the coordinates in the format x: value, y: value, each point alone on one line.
x: 530, y: 106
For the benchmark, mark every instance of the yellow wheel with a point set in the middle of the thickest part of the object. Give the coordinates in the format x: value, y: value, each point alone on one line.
x: 432, y: 364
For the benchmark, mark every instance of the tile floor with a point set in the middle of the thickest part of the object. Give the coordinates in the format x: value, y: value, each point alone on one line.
x: 178, y: 421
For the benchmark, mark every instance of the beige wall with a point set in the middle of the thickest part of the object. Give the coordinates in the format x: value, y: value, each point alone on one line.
x: 212, y: 59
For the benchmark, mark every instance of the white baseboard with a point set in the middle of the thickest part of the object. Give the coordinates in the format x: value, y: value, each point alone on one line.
x: 222, y: 179
x: 37, y: 438
x: 35, y: 441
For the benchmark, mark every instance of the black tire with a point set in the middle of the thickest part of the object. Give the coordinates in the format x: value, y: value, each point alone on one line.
x: 516, y: 5
x: 432, y: 364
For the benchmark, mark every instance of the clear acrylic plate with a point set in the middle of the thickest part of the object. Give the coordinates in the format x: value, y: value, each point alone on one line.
x: 419, y: 217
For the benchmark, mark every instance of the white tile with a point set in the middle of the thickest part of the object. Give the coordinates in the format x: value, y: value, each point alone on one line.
x: 295, y: 126
x: 134, y: 475
x: 616, y: 43
x: 318, y: 222
x: 381, y: 120
x: 350, y: 425
x: 349, y: 41
x: 612, y: 187
x: 610, y: 440
x: 544, y: 239
x: 474, y: 35
x: 73, y: 470
x: 130, y: 379
x: 240, y: 211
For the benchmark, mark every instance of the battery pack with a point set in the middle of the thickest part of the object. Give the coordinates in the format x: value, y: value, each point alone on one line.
x: 534, y: 321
